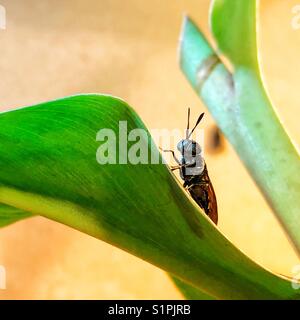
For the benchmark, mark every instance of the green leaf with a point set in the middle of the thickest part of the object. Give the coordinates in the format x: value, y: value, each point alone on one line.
x: 190, y: 292
x: 49, y: 168
x: 233, y: 24
x: 10, y: 215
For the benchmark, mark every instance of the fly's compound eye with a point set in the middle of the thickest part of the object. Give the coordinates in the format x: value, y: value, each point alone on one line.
x: 181, y: 146
x: 189, y: 148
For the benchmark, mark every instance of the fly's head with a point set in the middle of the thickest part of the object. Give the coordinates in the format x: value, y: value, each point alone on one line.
x: 189, y: 148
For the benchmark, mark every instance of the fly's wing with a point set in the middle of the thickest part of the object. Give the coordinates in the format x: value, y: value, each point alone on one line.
x: 207, y: 200
x: 205, y: 197
x: 212, y: 207
x: 212, y: 203
x: 203, y: 193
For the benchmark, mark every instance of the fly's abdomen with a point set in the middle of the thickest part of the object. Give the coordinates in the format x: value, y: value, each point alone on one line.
x: 204, y: 195
x: 197, y: 191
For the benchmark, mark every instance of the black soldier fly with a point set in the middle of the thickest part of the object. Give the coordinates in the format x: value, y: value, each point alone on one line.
x: 193, y: 172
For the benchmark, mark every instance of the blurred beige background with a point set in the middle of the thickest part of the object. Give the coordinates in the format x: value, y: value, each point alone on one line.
x: 128, y: 48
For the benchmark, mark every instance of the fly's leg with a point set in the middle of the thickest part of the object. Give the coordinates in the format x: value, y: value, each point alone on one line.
x: 182, y: 165
x: 173, y: 154
x: 179, y: 166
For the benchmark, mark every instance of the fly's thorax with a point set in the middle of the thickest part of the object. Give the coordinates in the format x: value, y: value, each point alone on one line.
x: 193, y: 166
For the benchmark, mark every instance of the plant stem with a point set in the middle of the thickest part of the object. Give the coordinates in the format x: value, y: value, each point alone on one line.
x: 244, y: 113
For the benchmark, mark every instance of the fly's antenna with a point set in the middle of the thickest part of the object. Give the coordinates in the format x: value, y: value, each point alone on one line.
x: 188, y: 124
x: 198, y: 121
